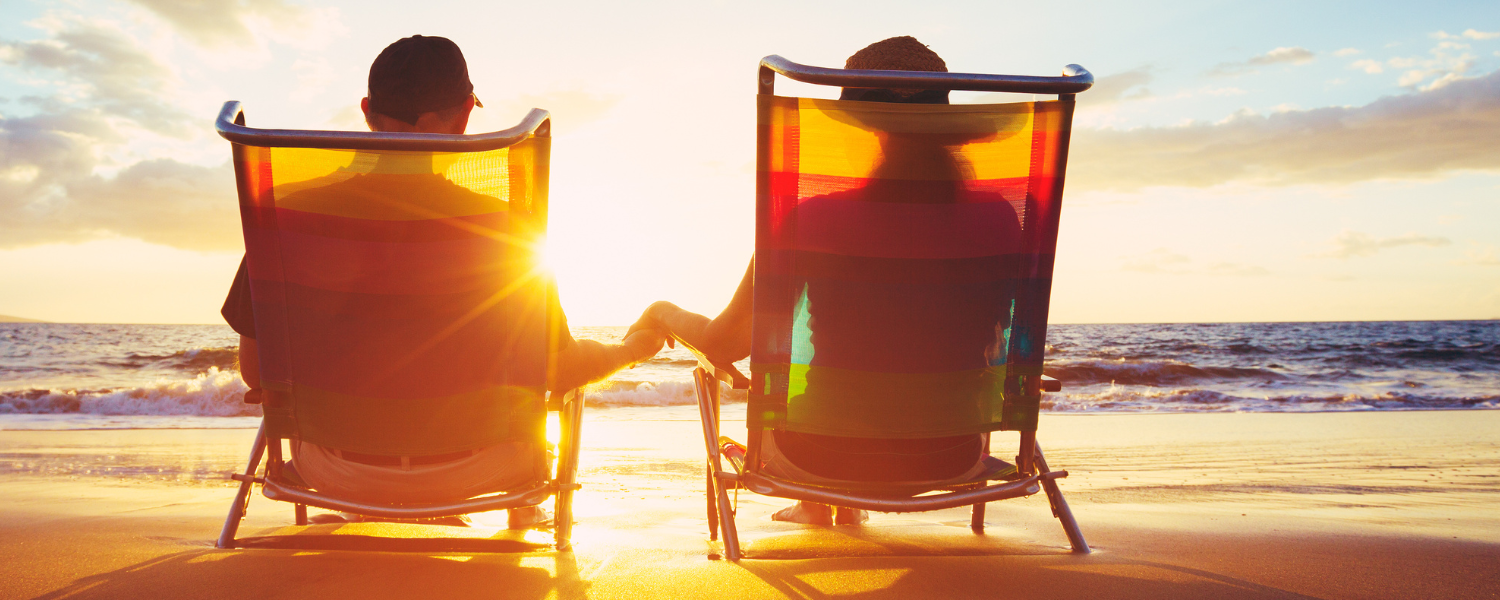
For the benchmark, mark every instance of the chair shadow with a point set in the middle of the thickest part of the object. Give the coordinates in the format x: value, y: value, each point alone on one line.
x: 1059, y: 576
x: 949, y: 561
x: 366, y: 566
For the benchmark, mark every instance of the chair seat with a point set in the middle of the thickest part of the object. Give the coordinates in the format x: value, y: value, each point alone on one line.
x: 284, y: 490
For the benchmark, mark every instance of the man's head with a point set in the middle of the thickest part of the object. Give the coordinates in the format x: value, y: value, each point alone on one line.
x: 902, y: 53
x: 419, y: 84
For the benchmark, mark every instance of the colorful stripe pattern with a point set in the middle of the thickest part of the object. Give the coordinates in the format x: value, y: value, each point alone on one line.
x: 903, y: 265
x: 400, y: 308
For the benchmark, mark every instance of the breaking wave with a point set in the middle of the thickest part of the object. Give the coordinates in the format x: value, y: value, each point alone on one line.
x: 1190, y: 400
x: 196, y: 360
x: 213, y: 393
x: 1153, y: 372
x: 184, y: 373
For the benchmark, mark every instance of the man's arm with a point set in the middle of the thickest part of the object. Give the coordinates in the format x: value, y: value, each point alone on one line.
x: 587, y: 361
x: 726, y: 337
x: 250, y: 364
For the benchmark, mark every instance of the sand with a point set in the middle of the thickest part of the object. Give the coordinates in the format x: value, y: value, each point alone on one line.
x: 1367, y: 505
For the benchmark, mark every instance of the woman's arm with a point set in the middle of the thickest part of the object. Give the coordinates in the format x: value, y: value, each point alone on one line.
x: 726, y: 337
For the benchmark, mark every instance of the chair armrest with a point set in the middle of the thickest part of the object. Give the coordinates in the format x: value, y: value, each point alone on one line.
x: 722, y: 371
x: 1051, y: 385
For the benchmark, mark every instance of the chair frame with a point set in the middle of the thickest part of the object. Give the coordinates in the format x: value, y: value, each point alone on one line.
x: 268, y: 449
x: 709, y: 376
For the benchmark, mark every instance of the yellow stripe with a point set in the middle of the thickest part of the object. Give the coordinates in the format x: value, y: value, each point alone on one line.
x: 844, y: 139
x: 400, y: 186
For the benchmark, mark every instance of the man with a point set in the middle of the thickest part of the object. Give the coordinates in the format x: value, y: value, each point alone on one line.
x: 851, y: 322
x: 421, y: 84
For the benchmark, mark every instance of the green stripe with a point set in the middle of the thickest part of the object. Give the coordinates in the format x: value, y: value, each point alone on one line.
x: 843, y: 402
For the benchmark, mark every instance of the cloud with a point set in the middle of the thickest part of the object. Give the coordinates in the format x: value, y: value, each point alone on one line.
x: 1346, y: 52
x: 1414, y: 135
x: 1279, y: 56
x: 1485, y: 256
x: 49, y: 192
x: 1118, y: 87
x: 235, y: 23
x: 1109, y: 89
x: 103, y: 68
x: 1447, y: 62
x: 1162, y: 260
x: 107, y: 93
x: 1372, y: 67
x: 570, y: 109
x: 1468, y: 34
x: 1296, y: 56
x: 1351, y: 244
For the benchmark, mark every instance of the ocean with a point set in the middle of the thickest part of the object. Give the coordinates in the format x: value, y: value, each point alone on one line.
x: 98, y: 376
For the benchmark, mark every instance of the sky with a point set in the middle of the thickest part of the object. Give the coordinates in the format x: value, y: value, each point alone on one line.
x: 1236, y: 160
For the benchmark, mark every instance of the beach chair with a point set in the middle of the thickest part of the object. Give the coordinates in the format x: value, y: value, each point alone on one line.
x: 873, y: 222
x: 401, y: 311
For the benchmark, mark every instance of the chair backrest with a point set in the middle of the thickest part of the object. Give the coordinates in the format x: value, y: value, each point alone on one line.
x: 399, y: 304
x: 903, y: 264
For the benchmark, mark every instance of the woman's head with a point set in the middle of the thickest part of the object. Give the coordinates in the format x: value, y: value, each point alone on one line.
x: 902, y: 53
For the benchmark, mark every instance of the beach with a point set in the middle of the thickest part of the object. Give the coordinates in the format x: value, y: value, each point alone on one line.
x: 1393, y: 504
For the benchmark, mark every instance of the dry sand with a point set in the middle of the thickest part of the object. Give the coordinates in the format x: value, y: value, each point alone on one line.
x: 1368, y: 505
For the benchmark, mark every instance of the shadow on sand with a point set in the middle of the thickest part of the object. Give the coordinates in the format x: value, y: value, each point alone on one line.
x: 863, y: 562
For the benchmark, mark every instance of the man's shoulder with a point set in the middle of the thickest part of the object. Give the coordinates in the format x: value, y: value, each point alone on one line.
x: 384, y: 196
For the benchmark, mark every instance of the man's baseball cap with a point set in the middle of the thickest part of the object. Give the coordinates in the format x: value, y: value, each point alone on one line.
x: 419, y: 74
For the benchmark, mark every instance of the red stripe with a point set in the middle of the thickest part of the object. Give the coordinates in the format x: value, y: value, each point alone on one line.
x: 436, y: 346
x: 803, y: 186
x: 386, y: 268
x: 846, y: 224
x: 499, y: 224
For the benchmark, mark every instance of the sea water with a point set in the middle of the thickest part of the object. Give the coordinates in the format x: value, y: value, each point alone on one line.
x: 92, y: 376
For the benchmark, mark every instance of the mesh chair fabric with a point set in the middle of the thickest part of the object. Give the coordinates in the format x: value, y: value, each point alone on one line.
x: 400, y: 307
x: 903, y: 265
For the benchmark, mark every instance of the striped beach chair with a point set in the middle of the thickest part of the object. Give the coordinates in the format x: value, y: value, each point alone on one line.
x: 903, y: 268
x: 401, y: 311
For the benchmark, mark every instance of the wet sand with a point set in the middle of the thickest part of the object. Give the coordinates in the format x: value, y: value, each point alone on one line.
x: 1331, y: 505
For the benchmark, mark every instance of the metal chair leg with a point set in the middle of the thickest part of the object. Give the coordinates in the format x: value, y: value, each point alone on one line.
x: 726, y: 522
x: 709, y: 413
x: 976, y: 518
x: 1060, y: 507
x: 242, y: 497
x: 567, y: 470
x: 713, y: 504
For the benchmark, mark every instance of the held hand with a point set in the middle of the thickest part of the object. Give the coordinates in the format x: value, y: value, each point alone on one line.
x: 644, y: 344
x: 651, y: 318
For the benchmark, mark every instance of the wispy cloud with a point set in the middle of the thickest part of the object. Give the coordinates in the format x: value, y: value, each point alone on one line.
x: 1446, y: 62
x: 235, y: 23
x: 1468, y: 34
x: 1414, y: 135
x: 1164, y: 261
x: 580, y: 106
x: 1345, y: 52
x: 1294, y: 55
x: 1373, y: 67
x: 1353, y: 244
x: 1485, y: 256
x: 102, y: 67
x: 106, y: 92
x: 1118, y: 87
